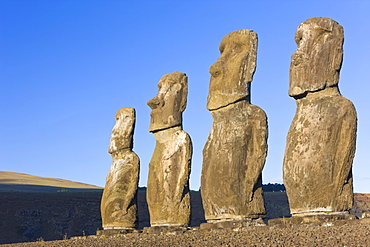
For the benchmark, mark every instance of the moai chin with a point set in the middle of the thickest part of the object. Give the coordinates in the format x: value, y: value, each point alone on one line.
x: 322, y: 137
x: 119, y: 200
x: 235, y: 152
x: 168, y: 194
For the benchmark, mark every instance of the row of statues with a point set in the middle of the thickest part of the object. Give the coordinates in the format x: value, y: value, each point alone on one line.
x: 320, y: 147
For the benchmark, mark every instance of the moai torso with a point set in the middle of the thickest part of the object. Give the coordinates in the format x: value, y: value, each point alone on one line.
x: 322, y: 137
x: 119, y: 200
x: 168, y: 194
x: 235, y: 152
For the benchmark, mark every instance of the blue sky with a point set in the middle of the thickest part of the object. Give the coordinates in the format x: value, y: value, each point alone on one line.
x: 67, y: 66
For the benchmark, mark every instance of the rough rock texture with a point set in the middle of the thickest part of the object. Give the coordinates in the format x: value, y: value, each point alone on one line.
x: 235, y: 152
x: 322, y: 137
x: 221, y: 224
x: 232, y: 73
x: 317, y: 219
x: 168, y: 195
x: 119, y: 200
x: 317, y: 61
x: 170, y: 102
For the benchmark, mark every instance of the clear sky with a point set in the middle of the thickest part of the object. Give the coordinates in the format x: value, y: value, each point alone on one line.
x: 67, y: 66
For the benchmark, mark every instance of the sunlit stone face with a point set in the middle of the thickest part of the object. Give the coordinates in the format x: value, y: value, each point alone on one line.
x: 167, y: 106
x: 232, y: 73
x: 122, y: 131
x: 316, y: 63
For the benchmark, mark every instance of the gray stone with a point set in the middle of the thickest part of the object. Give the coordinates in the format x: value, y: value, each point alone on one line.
x: 235, y: 152
x: 119, y: 200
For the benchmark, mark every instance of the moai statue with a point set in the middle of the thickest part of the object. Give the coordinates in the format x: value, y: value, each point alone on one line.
x: 168, y: 194
x: 119, y: 200
x: 322, y: 137
x: 235, y: 152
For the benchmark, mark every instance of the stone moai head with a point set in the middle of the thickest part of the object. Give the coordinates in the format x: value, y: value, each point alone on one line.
x: 317, y: 61
x: 123, y: 130
x: 170, y: 102
x: 232, y: 73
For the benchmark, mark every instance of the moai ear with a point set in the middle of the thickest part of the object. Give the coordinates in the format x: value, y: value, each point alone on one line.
x: 338, y: 58
x: 184, y: 92
x: 252, y: 55
x: 334, y: 36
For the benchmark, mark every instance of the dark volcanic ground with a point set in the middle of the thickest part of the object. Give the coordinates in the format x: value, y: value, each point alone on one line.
x: 26, y: 217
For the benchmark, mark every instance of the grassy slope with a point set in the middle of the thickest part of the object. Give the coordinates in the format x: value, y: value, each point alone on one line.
x: 11, y: 181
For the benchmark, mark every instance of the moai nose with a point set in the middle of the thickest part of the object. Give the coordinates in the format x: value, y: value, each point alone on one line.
x: 216, y: 69
x: 154, y: 103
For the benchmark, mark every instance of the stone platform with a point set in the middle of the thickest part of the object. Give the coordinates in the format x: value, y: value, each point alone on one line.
x: 115, y: 232
x: 232, y: 224
x: 318, y: 219
x: 165, y: 229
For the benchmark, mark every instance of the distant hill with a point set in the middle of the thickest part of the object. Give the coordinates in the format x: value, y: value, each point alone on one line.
x: 19, y: 182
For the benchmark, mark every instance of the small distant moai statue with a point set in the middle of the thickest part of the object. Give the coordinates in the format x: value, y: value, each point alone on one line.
x: 322, y: 137
x: 235, y: 152
x: 119, y: 200
x: 168, y: 194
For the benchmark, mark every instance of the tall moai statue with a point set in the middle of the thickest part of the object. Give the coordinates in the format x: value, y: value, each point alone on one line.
x: 168, y: 194
x: 119, y: 200
x: 322, y: 137
x: 235, y: 152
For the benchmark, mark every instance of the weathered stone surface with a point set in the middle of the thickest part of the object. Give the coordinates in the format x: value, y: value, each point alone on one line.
x: 123, y: 131
x: 322, y: 137
x: 170, y: 102
x: 168, y: 194
x: 119, y: 200
x: 116, y: 232
x: 317, y: 61
x: 365, y: 215
x: 235, y: 152
x: 173, y: 230
x: 233, y: 224
x: 313, y: 219
x: 234, y: 69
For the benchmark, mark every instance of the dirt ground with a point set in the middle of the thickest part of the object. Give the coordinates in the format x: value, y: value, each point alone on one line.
x: 298, y: 235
